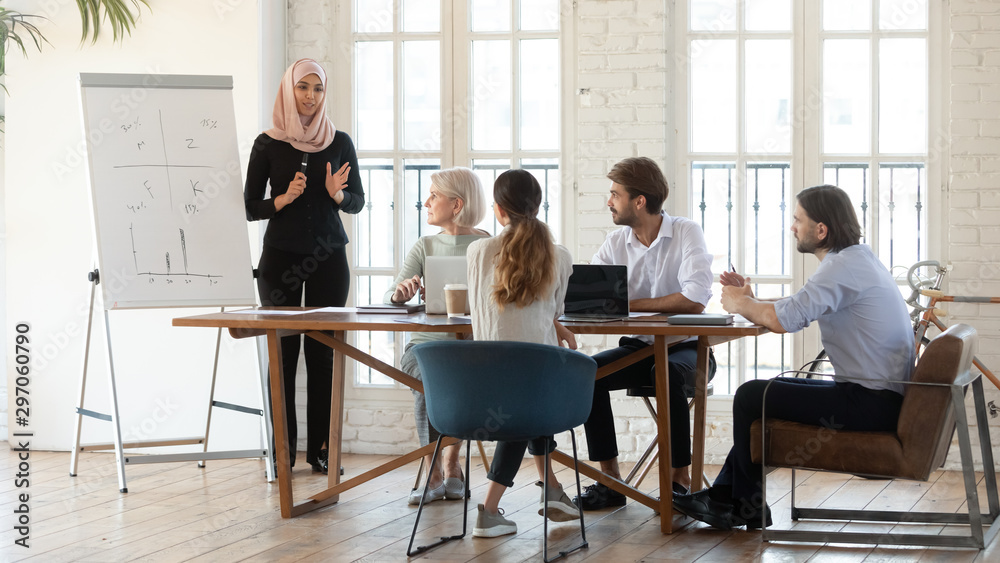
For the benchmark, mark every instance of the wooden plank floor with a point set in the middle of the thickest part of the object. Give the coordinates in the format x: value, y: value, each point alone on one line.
x: 228, y: 512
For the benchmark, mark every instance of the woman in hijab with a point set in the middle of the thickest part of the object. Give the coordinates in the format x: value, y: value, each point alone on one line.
x: 313, y: 172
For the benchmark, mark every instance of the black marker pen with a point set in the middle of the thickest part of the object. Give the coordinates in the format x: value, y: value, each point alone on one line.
x: 305, y: 161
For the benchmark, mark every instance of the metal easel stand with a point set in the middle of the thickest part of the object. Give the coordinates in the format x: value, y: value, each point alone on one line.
x: 122, y: 459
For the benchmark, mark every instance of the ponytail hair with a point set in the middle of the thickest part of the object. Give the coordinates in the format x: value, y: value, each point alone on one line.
x: 524, y: 267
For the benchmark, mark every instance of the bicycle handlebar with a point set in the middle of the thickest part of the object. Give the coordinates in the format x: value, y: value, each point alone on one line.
x: 909, y: 273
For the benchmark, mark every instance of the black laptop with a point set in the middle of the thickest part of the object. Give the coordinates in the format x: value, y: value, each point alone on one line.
x: 597, y: 293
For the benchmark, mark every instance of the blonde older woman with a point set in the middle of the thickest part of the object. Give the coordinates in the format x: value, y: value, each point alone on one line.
x: 456, y: 204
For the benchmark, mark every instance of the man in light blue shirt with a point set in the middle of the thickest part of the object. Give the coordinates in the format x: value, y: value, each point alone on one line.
x: 864, y: 327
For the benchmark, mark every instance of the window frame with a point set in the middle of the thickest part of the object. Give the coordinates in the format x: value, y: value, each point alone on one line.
x: 806, y: 159
x: 455, y: 37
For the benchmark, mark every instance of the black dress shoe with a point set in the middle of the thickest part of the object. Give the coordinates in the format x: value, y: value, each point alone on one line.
x: 703, y: 508
x: 751, y: 517
x: 321, y: 463
x: 598, y: 496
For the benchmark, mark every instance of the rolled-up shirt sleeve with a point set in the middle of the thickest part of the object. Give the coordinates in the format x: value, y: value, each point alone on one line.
x: 695, y: 272
x: 822, y: 294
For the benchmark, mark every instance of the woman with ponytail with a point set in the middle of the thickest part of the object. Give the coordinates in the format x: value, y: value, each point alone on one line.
x: 517, y: 284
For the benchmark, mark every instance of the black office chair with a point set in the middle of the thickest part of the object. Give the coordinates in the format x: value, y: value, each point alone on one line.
x: 504, y: 391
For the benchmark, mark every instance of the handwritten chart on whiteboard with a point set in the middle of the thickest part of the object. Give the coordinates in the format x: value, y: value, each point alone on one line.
x: 167, y: 190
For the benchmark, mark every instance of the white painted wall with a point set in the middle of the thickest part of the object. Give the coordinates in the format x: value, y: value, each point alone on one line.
x: 3, y: 276
x: 163, y: 372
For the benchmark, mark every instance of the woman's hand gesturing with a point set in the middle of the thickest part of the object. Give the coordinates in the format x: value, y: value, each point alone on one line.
x: 335, y: 183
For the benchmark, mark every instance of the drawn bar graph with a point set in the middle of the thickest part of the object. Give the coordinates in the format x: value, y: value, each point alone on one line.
x: 168, y: 272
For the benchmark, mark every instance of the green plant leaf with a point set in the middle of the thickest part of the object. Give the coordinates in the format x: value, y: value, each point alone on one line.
x: 14, y: 28
x: 121, y: 15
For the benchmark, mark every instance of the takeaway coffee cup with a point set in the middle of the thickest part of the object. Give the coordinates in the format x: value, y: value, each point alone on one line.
x: 455, y: 298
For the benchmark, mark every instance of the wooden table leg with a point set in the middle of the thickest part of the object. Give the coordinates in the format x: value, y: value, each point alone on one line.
x: 663, y: 433
x: 280, y: 422
x: 334, y: 442
x: 700, y: 403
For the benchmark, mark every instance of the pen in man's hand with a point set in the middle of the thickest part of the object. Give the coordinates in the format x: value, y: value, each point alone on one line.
x: 733, y: 270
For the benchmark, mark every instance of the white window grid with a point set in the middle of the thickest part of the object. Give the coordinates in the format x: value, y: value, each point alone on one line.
x: 901, y: 188
x: 395, y: 203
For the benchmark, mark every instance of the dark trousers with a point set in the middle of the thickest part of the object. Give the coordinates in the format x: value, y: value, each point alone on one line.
x: 682, y: 359
x: 836, y: 406
x: 280, y: 281
x: 508, y: 456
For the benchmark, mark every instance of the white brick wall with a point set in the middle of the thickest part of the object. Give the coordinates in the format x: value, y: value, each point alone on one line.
x: 973, y: 181
x: 622, y: 99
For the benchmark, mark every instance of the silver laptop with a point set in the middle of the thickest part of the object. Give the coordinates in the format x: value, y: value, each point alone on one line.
x: 438, y: 271
x: 597, y: 293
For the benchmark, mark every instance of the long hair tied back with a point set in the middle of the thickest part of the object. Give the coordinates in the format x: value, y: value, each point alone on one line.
x: 524, y: 267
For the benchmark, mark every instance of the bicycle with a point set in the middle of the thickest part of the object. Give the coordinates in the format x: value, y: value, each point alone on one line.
x: 925, y: 315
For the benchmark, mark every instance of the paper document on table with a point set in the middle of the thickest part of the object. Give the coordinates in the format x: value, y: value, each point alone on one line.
x: 264, y: 312
x: 334, y: 310
x: 435, y: 320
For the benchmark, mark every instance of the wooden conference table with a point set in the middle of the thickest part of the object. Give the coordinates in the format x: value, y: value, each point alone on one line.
x: 331, y: 328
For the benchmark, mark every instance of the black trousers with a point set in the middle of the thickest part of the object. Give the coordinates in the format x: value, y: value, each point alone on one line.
x: 835, y: 406
x: 325, y: 278
x: 508, y: 456
x: 602, y: 443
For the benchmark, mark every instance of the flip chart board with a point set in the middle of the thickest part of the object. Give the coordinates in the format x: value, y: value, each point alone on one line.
x: 166, y: 190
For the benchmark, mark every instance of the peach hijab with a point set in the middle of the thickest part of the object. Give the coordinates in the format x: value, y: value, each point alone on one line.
x: 308, y: 134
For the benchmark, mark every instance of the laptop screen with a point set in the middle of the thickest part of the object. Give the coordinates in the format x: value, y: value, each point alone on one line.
x: 598, y: 290
x: 439, y: 271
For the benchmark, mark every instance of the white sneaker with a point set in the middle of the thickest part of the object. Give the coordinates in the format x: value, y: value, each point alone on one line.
x: 432, y: 495
x: 492, y: 525
x: 454, y: 488
x: 561, y: 509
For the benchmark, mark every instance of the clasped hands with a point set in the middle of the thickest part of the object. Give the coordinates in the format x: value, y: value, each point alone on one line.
x: 735, y: 290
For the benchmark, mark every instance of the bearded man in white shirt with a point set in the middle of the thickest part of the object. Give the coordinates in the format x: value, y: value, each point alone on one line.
x: 669, y: 271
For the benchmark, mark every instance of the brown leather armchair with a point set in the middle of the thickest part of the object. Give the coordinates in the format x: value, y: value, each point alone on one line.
x: 933, y: 408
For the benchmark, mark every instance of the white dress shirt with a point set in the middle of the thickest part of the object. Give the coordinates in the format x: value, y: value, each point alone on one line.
x: 677, y: 261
